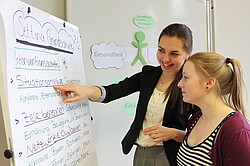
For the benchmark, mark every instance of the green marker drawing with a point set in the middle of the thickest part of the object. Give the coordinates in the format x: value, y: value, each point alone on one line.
x: 140, y: 37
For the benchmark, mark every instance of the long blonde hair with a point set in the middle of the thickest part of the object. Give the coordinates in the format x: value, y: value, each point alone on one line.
x: 227, y: 72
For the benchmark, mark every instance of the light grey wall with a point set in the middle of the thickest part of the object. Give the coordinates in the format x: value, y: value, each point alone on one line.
x: 54, y: 7
x: 232, y: 35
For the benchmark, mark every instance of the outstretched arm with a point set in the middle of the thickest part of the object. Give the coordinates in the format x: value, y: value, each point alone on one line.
x: 135, y: 44
x: 161, y: 133
x: 80, y: 92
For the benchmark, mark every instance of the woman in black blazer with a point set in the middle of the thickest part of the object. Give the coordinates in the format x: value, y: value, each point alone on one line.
x: 160, y: 121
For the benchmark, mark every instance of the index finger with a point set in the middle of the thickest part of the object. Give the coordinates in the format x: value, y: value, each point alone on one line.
x: 66, y: 88
x: 58, y: 87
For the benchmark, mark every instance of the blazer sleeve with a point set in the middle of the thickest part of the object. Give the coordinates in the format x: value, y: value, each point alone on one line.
x: 128, y: 86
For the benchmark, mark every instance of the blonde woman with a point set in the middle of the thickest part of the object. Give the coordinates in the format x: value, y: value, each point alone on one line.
x: 219, y: 134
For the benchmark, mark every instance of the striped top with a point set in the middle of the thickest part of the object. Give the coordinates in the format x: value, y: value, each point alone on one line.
x: 199, y: 154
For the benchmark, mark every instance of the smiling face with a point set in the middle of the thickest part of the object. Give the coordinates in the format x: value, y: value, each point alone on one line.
x: 193, y: 88
x: 171, y: 54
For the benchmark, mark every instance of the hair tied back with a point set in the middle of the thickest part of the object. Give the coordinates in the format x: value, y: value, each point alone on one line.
x: 228, y: 60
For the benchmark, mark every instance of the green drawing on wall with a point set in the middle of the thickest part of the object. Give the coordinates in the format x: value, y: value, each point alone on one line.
x: 140, y: 37
x: 129, y: 107
x: 144, y: 21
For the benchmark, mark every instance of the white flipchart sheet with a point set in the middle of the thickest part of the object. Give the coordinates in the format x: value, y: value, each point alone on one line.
x: 43, y: 51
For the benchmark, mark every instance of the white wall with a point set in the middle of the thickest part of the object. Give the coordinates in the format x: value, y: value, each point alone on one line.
x: 232, y: 34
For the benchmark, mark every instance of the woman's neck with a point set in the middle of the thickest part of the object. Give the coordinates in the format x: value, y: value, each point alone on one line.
x: 164, y: 81
x: 214, y: 108
x: 166, y: 76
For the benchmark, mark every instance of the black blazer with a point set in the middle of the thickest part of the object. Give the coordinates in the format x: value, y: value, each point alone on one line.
x: 145, y: 82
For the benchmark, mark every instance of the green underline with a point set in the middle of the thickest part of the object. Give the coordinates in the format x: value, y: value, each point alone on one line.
x: 37, y: 69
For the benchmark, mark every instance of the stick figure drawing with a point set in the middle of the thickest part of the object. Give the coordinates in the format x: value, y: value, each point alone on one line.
x: 140, y: 37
